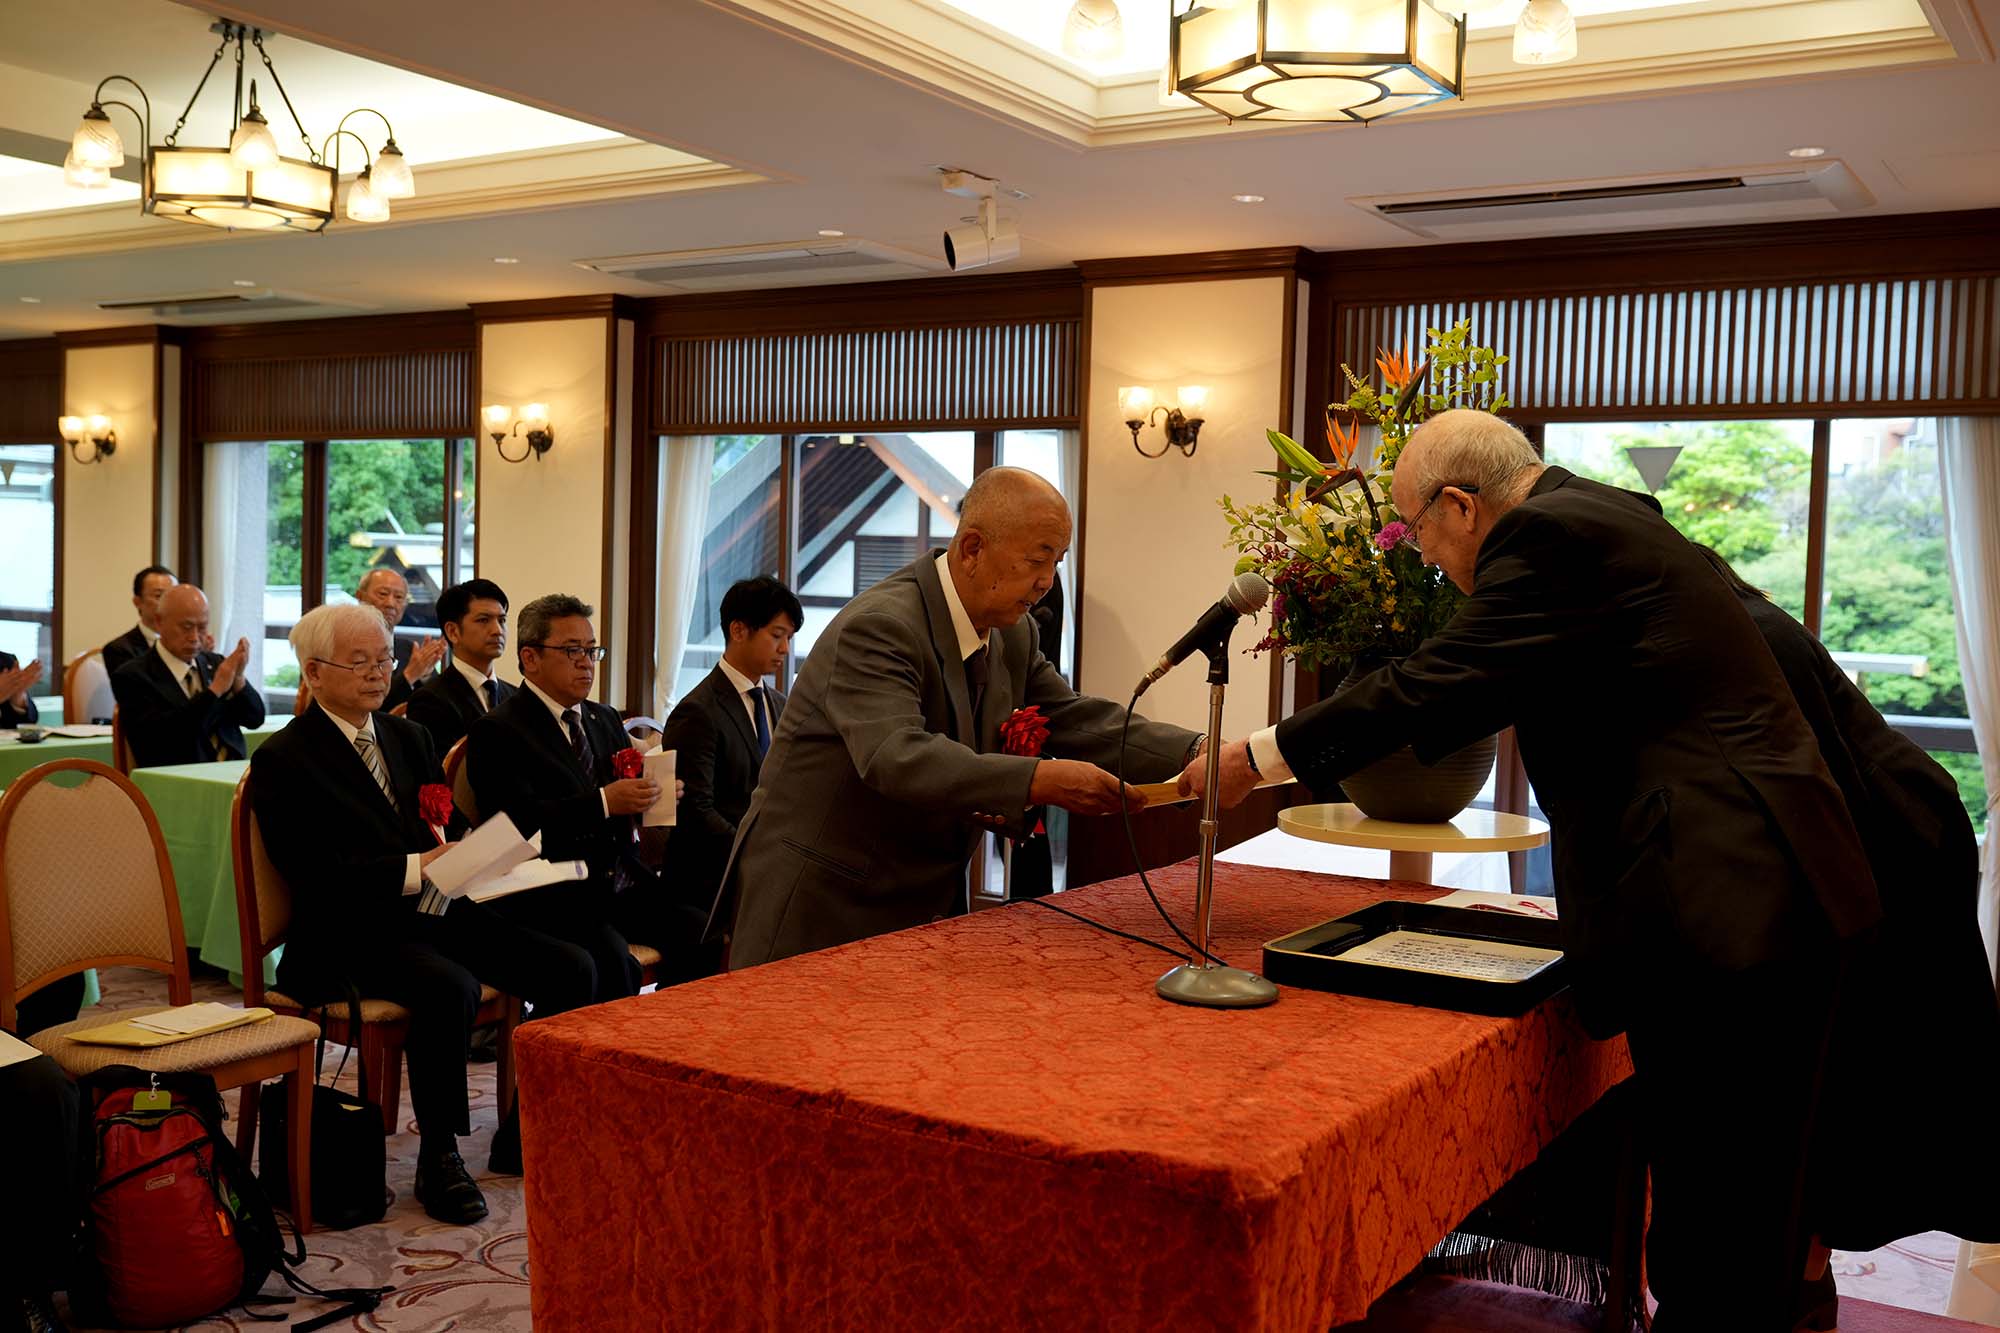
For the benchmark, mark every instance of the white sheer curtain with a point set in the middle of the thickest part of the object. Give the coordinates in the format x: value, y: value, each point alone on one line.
x: 1969, y: 473
x: 233, y: 558
x: 686, y: 471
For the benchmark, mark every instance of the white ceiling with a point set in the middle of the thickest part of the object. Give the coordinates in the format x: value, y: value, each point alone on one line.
x: 844, y: 143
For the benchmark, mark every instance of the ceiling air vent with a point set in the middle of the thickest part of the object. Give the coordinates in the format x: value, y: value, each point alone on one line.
x: 783, y: 264
x: 244, y: 305
x: 1711, y: 198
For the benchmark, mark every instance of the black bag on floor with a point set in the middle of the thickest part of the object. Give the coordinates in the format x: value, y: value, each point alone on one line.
x: 349, y: 1162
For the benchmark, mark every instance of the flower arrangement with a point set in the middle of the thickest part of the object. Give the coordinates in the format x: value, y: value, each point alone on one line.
x: 1344, y: 583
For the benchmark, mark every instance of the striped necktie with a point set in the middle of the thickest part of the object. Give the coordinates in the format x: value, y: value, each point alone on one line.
x: 364, y: 745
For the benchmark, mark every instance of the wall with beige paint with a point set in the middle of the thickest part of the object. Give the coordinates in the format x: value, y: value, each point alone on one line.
x: 108, y: 507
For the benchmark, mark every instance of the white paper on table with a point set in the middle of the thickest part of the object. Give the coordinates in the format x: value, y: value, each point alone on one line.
x: 81, y: 730
x: 528, y: 875
x: 1479, y: 900
x: 187, y: 1018
x: 485, y: 854
x: 1451, y: 956
x: 660, y: 768
x: 13, y: 1050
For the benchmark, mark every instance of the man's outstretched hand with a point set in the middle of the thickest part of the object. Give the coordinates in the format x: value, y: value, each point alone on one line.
x: 1080, y: 788
x: 1238, y: 778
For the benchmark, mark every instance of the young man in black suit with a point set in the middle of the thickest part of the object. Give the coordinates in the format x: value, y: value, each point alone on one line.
x: 16, y: 708
x: 473, y: 616
x: 543, y: 757
x: 179, y: 704
x: 1710, y: 876
x: 149, y: 585
x: 337, y: 798
x: 720, y: 734
x: 389, y: 592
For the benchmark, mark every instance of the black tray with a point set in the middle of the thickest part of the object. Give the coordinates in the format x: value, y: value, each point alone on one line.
x: 1311, y: 958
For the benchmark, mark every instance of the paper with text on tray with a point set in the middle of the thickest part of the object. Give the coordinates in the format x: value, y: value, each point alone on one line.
x: 486, y: 853
x: 13, y: 1050
x: 660, y: 768
x: 1478, y: 900
x: 187, y: 1018
x: 528, y: 875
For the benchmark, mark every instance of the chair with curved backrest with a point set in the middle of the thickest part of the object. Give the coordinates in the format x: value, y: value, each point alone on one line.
x: 87, y: 688
x: 400, y: 710
x: 264, y: 919
x: 460, y: 783
x: 299, y: 700
x: 85, y: 882
x: 121, y: 749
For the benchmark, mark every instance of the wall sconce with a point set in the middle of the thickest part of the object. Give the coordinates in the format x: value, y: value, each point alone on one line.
x: 93, y: 430
x: 532, y: 425
x: 1183, y: 424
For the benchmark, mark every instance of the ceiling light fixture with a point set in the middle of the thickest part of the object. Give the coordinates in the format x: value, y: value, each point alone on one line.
x: 831, y: 232
x: 1545, y: 34
x: 1248, y: 198
x: 1094, y: 31
x: 1805, y: 152
x: 31, y: 300
x: 249, y: 185
x: 1316, y: 60
x: 241, y: 282
x: 505, y: 259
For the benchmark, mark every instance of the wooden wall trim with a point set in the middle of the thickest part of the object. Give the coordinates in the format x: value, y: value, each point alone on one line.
x: 866, y: 306
x: 31, y: 373
x: 412, y: 394
x: 118, y: 337
x: 358, y: 335
x: 1204, y: 266
x: 1904, y: 245
x: 601, y: 304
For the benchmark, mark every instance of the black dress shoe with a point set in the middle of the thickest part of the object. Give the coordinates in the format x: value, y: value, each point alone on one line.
x: 445, y: 1189
x: 38, y: 1315
x: 505, y: 1159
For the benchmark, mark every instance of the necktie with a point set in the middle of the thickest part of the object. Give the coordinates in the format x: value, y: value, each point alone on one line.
x: 364, y: 745
x: 975, y: 679
x: 188, y: 685
x: 578, y: 742
x: 756, y: 697
x: 491, y: 689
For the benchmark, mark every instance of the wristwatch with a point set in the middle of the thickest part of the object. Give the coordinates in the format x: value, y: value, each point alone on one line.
x: 1250, y: 758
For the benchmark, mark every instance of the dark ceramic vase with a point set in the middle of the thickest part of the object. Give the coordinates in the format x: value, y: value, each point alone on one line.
x: 1399, y: 788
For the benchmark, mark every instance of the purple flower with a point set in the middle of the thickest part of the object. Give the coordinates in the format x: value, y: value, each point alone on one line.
x: 1391, y: 536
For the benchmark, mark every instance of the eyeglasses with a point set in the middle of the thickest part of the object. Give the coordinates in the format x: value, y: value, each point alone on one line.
x: 576, y: 652
x: 381, y: 666
x: 1410, y: 538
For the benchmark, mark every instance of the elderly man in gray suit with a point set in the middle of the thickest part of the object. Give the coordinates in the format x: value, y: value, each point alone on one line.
x: 888, y: 762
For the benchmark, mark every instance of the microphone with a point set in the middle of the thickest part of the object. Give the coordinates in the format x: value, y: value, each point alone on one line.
x: 1244, y: 597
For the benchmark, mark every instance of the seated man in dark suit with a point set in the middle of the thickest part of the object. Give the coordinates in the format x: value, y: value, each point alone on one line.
x: 720, y: 734
x: 46, y: 1187
x: 337, y: 796
x: 149, y: 585
x: 544, y: 758
x: 473, y: 616
x: 389, y: 592
x: 16, y: 680
x: 179, y: 704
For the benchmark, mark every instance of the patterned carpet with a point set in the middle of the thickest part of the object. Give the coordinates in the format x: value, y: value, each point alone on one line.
x: 475, y: 1279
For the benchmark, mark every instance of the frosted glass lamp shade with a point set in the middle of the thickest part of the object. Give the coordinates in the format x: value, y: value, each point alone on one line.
x: 71, y: 428
x: 363, y: 204
x: 96, y: 144
x: 1094, y: 30
x: 1318, y: 60
x: 1545, y: 34
x: 1135, y: 401
x: 393, y: 179
x: 498, y: 416
x: 1194, y: 401
x: 80, y: 177
x: 535, y: 416
x: 252, y: 147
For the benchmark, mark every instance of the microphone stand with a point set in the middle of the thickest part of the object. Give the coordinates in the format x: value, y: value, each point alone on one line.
x: 1200, y: 981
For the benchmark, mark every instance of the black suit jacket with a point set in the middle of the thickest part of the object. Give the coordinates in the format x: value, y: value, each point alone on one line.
x: 447, y: 707
x: 342, y: 848
x: 127, y: 647
x: 715, y: 754
x: 1694, y: 823
x: 164, y: 726
x: 519, y: 762
x: 11, y: 716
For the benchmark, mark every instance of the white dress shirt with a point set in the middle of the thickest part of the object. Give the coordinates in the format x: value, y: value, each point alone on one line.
x: 474, y: 677
x: 559, y: 711
x: 413, y: 867
x: 743, y: 686
x: 177, y: 668
x: 970, y: 640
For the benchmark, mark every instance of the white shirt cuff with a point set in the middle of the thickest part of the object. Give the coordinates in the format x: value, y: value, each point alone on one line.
x: 1271, y: 765
x: 413, y: 874
x: 604, y: 799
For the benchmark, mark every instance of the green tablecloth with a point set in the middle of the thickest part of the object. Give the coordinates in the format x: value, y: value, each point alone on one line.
x: 16, y: 758
x: 191, y: 802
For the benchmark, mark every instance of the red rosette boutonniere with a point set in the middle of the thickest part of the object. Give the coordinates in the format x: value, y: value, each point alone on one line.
x: 1024, y: 733
x: 628, y: 763
x: 434, y: 807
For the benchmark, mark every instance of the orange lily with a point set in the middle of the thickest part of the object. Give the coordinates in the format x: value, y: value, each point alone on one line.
x: 1342, y: 442
x: 1395, y: 367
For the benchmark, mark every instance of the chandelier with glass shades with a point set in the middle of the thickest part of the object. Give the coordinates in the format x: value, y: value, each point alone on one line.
x: 247, y: 185
x: 1340, y: 60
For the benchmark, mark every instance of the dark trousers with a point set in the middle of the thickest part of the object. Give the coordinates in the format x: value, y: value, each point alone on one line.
x: 39, y: 1110
x: 57, y: 1002
x: 1730, y: 1070
x: 649, y: 914
x: 433, y: 968
x: 581, y: 914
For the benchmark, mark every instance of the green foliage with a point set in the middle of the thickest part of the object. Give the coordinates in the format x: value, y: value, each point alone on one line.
x: 284, y: 677
x: 368, y: 482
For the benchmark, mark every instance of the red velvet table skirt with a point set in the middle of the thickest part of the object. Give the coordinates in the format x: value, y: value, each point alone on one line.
x: 994, y: 1123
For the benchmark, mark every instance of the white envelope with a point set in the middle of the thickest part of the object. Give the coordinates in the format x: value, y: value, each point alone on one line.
x: 660, y: 768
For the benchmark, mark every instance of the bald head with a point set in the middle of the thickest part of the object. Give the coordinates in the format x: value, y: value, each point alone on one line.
x: 1459, y: 473
x: 386, y: 591
x: 1013, y: 530
x: 183, y: 620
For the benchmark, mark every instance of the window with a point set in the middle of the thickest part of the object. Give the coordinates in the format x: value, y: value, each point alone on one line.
x: 290, y: 525
x: 28, y: 559
x: 742, y: 521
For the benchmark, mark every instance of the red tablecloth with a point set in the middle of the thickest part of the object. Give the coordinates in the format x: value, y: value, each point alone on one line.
x: 993, y: 1123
